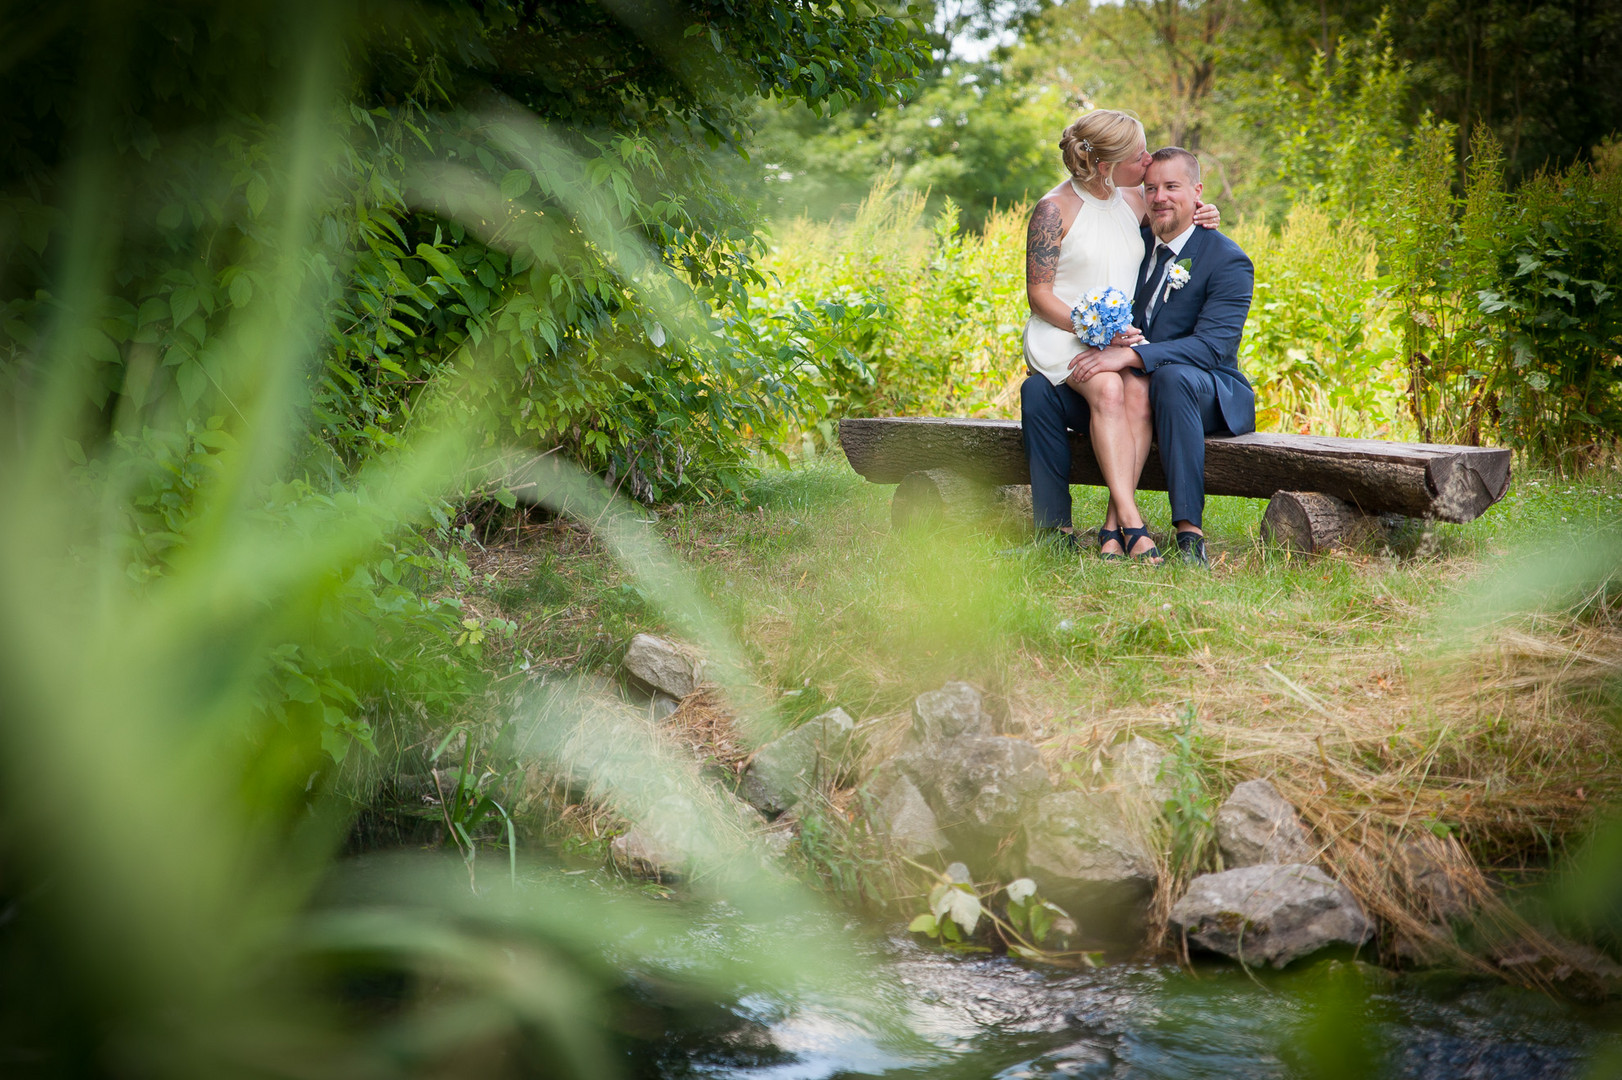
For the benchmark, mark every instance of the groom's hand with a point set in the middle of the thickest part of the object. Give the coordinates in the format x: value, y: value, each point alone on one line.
x: 1089, y: 362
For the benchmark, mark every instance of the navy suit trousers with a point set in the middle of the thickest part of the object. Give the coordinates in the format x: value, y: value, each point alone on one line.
x: 1183, y: 400
x: 1046, y: 413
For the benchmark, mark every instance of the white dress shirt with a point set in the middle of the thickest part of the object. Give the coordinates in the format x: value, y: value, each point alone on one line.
x: 1176, y: 244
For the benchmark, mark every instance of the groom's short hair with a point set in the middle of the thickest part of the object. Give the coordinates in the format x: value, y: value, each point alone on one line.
x: 1177, y: 153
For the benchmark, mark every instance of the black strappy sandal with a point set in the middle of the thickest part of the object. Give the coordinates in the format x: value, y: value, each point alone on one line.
x: 1133, y: 535
x: 1104, y: 537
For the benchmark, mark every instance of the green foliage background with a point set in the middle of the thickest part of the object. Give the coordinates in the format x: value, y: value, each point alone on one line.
x: 1414, y: 279
x: 289, y: 292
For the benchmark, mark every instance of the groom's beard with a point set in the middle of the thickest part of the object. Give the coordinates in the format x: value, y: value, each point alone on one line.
x: 1167, y: 227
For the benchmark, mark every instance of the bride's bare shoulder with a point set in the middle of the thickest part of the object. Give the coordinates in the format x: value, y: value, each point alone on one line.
x: 1136, y: 200
x: 1057, y: 207
x: 1063, y: 193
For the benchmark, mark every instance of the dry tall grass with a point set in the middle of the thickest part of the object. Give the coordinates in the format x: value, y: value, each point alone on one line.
x: 1439, y: 762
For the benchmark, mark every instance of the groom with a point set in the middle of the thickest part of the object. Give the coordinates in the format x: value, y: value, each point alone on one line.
x: 1194, y: 290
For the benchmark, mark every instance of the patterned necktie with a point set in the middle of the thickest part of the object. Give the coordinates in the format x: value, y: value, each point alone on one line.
x: 1162, y: 256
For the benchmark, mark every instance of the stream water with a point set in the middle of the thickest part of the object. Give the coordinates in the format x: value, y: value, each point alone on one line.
x: 962, y: 1017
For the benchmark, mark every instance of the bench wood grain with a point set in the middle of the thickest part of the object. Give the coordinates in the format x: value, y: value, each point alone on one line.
x: 1425, y: 480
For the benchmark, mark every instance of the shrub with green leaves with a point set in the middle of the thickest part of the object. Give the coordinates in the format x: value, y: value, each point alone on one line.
x: 909, y: 317
x: 518, y: 197
x: 493, y: 220
x: 1554, y: 306
x: 1318, y: 345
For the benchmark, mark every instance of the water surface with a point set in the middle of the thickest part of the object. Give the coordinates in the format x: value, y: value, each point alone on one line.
x: 987, y: 1017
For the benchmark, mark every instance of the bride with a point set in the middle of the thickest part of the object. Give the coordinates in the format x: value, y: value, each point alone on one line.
x: 1084, y: 235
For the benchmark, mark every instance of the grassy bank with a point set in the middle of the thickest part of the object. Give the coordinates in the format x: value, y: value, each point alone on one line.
x: 1453, y: 690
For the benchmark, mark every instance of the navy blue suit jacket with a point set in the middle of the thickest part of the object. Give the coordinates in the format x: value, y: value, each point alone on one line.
x: 1201, y: 323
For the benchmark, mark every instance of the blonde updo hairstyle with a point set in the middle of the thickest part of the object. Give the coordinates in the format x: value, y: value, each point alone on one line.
x: 1098, y: 140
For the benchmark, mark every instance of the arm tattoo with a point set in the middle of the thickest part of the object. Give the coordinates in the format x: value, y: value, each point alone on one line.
x: 1042, y: 244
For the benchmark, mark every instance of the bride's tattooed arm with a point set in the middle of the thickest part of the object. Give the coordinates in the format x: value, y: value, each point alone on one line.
x: 1042, y: 244
x: 1042, y: 263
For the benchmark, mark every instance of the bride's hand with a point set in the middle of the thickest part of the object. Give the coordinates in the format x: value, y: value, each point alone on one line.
x: 1208, y: 215
x: 1129, y: 337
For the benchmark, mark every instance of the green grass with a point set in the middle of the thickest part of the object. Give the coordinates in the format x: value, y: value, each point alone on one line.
x: 820, y: 586
x: 1380, y: 687
x: 822, y: 591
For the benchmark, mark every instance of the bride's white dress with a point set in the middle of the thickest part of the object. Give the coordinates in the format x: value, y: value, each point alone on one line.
x: 1103, y: 247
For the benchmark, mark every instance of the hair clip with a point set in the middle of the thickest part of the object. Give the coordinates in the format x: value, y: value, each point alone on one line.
x: 1086, y: 146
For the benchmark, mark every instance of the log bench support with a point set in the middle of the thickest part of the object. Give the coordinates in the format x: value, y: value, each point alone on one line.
x: 1311, y: 522
x: 1324, y: 492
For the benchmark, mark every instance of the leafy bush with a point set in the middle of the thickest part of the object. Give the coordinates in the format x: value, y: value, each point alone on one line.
x: 378, y: 631
x: 923, y: 319
x: 562, y: 258
x: 1331, y: 131
x: 1502, y: 303
x: 1318, y: 345
x: 900, y: 317
x: 1553, y: 301
x: 1505, y: 300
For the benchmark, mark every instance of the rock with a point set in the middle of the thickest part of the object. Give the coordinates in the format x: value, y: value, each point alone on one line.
x: 1586, y: 973
x: 1271, y: 913
x: 786, y: 769
x: 1085, y: 857
x: 453, y: 750
x: 955, y: 709
x: 431, y: 786
x: 1137, y: 765
x: 663, y: 844
x: 1424, y: 864
x: 662, y: 706
x: 1577, y: 971
x: 980, y: 786
x: 638, y: 853
x: 661, y: 665
x: 672, y: 837
x: 905, y: 820
x: 1014, y: 726
x: 1256, y: 825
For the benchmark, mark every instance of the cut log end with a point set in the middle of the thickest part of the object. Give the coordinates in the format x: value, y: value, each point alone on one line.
x: 1311, y: 522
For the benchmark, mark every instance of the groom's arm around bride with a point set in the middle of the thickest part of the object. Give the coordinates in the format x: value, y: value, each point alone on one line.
x: 1194, y: 292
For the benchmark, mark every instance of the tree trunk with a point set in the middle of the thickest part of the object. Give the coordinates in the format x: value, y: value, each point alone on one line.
x: 1310, y: 522
x: 936, y: 496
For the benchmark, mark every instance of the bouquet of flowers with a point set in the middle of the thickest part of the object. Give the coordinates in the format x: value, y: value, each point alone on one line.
x: 1101, y: 315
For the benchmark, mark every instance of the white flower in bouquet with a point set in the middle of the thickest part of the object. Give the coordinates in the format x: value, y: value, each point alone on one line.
x: 1101, y: 315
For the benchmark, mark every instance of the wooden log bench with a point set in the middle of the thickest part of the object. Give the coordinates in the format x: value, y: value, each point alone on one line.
x: 1324, y: 492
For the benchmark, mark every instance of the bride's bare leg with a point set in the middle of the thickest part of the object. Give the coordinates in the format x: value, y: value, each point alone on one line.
x: 1136, y: 395
x: 1112, y: 521
x: 1113, y: 443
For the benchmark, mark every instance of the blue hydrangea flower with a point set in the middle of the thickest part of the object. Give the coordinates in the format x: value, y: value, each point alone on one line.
x: 1101, y: 315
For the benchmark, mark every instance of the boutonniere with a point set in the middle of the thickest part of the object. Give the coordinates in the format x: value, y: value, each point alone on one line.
x: 1177, y: 276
